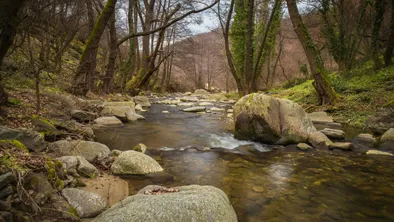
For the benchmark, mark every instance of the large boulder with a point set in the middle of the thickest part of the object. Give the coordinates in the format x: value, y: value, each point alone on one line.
x: 89, y: 150
x: 124, y: 113
x: 87, y: 204
x: 142, y: 100
x: 108, y: 121
x: 33, y: 140
x: 131, y: 104
x: 387, y: 140
x: 83, y: 116
x: 188, y: 203
x: 266, y: 119
x: 133, y: 162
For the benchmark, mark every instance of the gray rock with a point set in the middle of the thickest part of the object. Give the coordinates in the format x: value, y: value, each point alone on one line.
x: 201, y: 92
x: 140, y: 148
x: 334, y: 134
x: 6, y: 191
x: 230, y: 111
x: 387, y: 140
x: 320, y: 117
x: 87, y: 131
x: 83, y: 116
x: 68, y: 162
x: 85, y: 168
x: 138, y: 107
x: 6, y: 179
x: 216, y: 109
x: 31, y: 139
x: 189, y: 99
x: 205, y: 104
x: 115, y: 152
x: 194, y: 109
x: 133, y: 162
x: 124, y: 113
x: 139, y: 117
x: 345, y: 146
x: 319, y: 140
x: 142, y: 100
x: 87, y: 204
x: 187, y: 93
x: 304, y: 146
x: 107, y: 121
x: 130, y: 104
x: 192, y: 203
x: 185, y: 104
x: 364, y: 139
x: 88, y: 149
x: 265, y: 119
x: 378, y: 152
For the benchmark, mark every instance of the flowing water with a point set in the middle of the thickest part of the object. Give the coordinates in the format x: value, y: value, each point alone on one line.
x: 263, y: 183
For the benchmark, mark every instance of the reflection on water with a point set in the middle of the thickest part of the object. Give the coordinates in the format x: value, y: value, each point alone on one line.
x: 280, y: 185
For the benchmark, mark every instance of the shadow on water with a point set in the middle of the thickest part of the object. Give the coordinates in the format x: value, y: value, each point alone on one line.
x: 281, y: 185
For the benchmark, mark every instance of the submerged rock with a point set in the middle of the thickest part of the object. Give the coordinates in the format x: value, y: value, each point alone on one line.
x: 334, y: 134
x: 187, y: 203
x: 194, y: 109
x: 89, y: 150
x: 87, y: 204
x: 133, y: 162
x: 142, y: 100
x: 364, y: 139
x: 265, y: 119
x: 108, y: 120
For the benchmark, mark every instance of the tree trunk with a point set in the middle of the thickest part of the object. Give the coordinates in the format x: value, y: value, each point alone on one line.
x: 84, y: 78
x: 248, y: 72
x: 390, y: 43
x: 322, y: 83
x: 379, y: 13
x: 112, y: 55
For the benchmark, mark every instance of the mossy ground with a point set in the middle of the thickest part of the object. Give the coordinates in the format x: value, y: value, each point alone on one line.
x: 363, y: 92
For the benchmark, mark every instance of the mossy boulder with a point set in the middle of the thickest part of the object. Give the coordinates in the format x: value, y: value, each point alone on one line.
x: 133, y: 162
x: 266, y: 119
x: 89, y: 150
x: 32, y: 140
x: 191, y: 203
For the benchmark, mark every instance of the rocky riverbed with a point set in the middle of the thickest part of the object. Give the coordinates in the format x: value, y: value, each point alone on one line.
x: 289, y: 165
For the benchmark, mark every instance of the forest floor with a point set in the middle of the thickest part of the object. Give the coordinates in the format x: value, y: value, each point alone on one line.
x: 363, y: 93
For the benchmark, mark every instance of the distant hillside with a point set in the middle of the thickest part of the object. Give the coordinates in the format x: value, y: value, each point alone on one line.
x: 200, y: 62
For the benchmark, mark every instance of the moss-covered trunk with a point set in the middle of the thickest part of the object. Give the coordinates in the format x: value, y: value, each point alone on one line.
x: 84, y: 78
x: 322, y: 83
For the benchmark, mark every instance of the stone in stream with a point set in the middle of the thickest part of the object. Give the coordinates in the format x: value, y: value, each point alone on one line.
x: 123, y: 113
x: 187, y: 93
x: 189, y: 99
x: 201, y: 92
x: 89, y: 150
x: 140, y: 148
x: 216, y: 109
x: 142, y: 100
x: 165, y: 111
x: 304, y: 146
x: 345, y: 146
x: 262, y: 118
x: 87, y: 204
x: 130, y: 104
x: 378, y: 152
x: 185, y: 104
x: 230, y: 110
x: 319, y: 140
x: 334, y: 134
x: 364, y: 139
x: 387, y: 140
x: 205, y: 104
x: 138, y: 107
x: 133, y: 162
x: 194, y: 109
x: 187, y: 203
x: 107, y: 121
x: 83, y: 116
